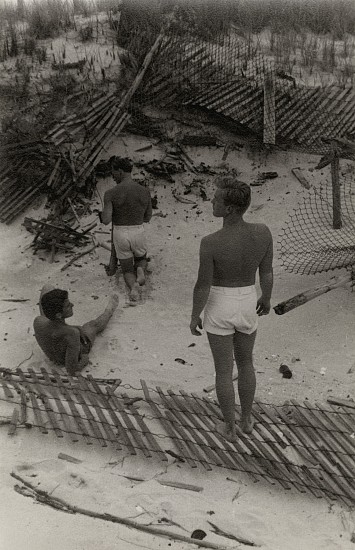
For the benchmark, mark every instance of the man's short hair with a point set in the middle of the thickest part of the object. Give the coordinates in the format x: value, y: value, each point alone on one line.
x: 52, y: 302
x: 234, y: 192
x: 124, y: 164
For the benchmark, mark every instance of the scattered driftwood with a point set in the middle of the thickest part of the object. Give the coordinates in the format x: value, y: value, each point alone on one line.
x: 14, y: 421
x: 60, y: 504
x: 222, y: 533
x: 307, y: 295
x: 162, y: 169
x: 341, y: 402
x: 55, y: 236
x: 77, y: 257
x: 15, y: 300
x: 175, y: 484
x: 180, y: 198
x: 212, y: 387
x: 69, y: 458
x: 199, y: 140
x: 297, y: 172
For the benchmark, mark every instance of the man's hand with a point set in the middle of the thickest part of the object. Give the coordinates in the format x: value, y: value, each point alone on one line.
x: 263, y: 306
x: 196, y: 323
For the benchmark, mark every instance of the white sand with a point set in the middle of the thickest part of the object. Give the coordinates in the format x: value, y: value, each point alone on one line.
x: 143, y: 342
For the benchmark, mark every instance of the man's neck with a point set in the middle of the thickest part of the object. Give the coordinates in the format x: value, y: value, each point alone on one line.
x: 233, y: 219
x: 126, y: 179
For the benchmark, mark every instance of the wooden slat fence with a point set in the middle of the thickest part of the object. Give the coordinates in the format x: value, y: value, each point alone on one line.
x: 309, y: 447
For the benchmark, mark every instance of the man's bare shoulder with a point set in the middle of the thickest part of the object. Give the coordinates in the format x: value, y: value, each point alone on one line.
x: 40, y: 322
x: 261, y: 229
x: 43, y: 324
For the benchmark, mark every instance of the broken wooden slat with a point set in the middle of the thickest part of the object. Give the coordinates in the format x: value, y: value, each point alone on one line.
x: 91, y: 396
x: 13, y: 422
x: 74, y: 411
x: 335, y: 441
x: 245, y: 461
x: 277, y: 469
x: 69, y: 458
x: 132, y: 429
x: 214, y: 457
x: 167, y: 425
x: 113, y: 400
x: 225, y: 458
x: 8, y: 393
x: 331, y: 477
x: 341, y: 402
x: 89, y: 415
x: 152, y: 441
x: 65, y: 417
x: 181, y: 427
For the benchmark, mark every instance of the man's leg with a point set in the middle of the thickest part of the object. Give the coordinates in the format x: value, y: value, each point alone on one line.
x: 222, y: 351
x: 130, y: 278
x: 141, y: 265
x: 92, y: 328
x: 243, y: 353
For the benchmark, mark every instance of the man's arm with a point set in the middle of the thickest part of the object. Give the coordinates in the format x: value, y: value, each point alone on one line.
x: 202, y: 286
x: 73, y: 351
x: 266, y: 279
x: 148, y: 211
x: 106, y: 214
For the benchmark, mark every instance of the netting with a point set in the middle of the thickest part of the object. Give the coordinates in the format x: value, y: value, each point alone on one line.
x: 308, y: 243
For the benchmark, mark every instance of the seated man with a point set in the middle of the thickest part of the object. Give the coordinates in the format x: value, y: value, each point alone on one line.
x: 64, y: 344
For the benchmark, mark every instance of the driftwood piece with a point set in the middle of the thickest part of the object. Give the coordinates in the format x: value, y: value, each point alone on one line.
x: 297, y: 172
x: 222, y: 533
x: 307, y: 295
x: 213, y: 386
x: 77, y: 257
x: 342, y: 402
x: 58, y: 503
x: 69, y: 458
x: 13, y: 422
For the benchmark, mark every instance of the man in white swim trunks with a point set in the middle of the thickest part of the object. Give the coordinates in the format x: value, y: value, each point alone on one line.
x: 225, y: 289
x: 128, y: 206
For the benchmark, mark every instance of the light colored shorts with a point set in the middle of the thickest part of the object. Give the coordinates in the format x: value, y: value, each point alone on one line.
x: 231, y: 309
x: 130, y: 241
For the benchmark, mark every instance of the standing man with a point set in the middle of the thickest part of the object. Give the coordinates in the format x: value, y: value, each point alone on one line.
x: 225, y: 288
x: 128, y: 206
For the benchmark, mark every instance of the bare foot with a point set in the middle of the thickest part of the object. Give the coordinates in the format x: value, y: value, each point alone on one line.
x: 247, y: 425
x: 113, y: 302
x: 226, y: 431
x: 110, y: 269
x: 140, y: 276
x: 134, y: 294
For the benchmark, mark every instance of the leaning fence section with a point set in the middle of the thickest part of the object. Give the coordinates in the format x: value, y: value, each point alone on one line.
x: 310, y: 448
x: 231, y: 78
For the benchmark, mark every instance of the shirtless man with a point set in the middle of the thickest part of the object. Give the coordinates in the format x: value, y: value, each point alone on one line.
x: 229, y: 260
x: 128, y: 206
x: 64, y: 344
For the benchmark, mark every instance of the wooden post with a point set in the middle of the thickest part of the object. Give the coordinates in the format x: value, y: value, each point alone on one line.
x: 334, y: 166
x: 269, y: 109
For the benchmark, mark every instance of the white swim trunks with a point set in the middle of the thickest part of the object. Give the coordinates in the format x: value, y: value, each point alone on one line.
x: 130, y: 241
x: 231, y: 309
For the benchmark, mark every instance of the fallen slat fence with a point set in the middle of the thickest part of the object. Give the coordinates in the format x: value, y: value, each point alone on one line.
x: 299, y: 445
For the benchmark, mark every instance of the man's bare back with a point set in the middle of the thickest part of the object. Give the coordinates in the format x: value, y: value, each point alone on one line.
x: 237, y: 252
